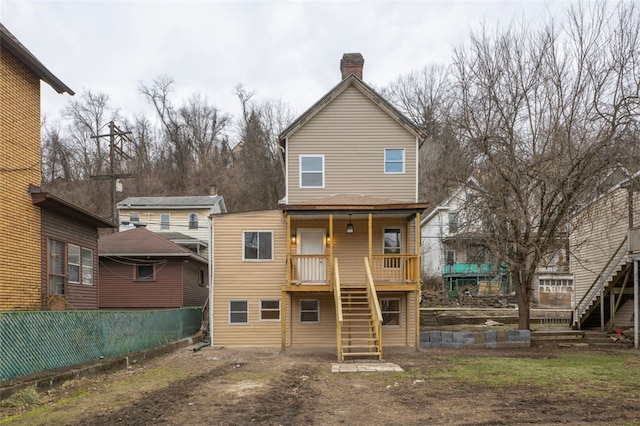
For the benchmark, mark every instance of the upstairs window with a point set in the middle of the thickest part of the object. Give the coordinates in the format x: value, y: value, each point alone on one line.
x: 394, y: 160
x: 312, y: 171
x: 193, y: 220
x: 165, y: 220
x: 476, y: 254
x: 258, y: 245
x: 453, y: 222
x: 391, y: 245
x: 134, y: 217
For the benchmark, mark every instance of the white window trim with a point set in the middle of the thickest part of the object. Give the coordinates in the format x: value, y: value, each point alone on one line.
x: 403, y: 161
x: 399, y: 312
x: 261, y: 309
x: 318, y: 310
x: 229, y: 312
x: 197, y: 221
x: 300, y: 170
x: 77, y: 265
x: 258, y: 260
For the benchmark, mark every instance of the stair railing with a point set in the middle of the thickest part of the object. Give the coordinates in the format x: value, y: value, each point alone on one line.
x: 597, y: 287
x: 375, y: 305
x: 337, y: 295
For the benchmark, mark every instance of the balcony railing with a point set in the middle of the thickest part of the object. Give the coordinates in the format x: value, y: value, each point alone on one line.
x: 394, y: 268
x: 309, y: 269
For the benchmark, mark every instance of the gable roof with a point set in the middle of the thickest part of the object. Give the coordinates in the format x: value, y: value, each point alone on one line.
x: 50, y: 202
x: 196, y: 201
x: 12, y: 44
x: 351, y: 81
x: 140, y: 242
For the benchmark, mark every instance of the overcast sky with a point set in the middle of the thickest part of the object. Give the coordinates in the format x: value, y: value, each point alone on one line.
x: 287, y: 50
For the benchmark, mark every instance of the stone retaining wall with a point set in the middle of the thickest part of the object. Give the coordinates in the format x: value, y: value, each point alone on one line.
x: 483, y: 339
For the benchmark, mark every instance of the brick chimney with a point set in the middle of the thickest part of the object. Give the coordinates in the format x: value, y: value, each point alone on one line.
x: 351, y: 63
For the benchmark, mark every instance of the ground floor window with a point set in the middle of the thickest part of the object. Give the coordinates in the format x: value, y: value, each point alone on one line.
x: 309, y: 311
x: 270, y: 310
x: 56, y: 270
x: 68, y: 263
x: 145, y: 272
x: 390, y: 311
x: 238, y: 312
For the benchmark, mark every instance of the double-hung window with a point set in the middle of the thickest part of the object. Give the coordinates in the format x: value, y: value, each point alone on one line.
x: 165, y: 221
x: 312, y: 171
x: 258, y: 245
x: 270, y: 310
x: 193, y: 220
x: 390, y: 309
x: 309, y: 310
x: 238, y: 312
x: 68, y: 263
x: 393, y: 160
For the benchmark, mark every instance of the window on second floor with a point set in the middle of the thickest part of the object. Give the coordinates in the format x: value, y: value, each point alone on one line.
x: 165, y: 221
x: 391, y: 245
x: 394, y: 160
x: 258, y: 245
x: 193, y: 220
x: 312, y: 171
x: 134, y: 217
x: 453, y: 222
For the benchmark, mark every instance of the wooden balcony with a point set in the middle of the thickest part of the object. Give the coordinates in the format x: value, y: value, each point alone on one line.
x: 396, y: 271
x: 309, y: 272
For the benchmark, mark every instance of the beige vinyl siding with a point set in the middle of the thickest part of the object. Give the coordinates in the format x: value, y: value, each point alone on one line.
x: 313, y: 335
x: 235, y: 279
x: 598, y: 232
x: 352, y: 133
x: 405, y: 334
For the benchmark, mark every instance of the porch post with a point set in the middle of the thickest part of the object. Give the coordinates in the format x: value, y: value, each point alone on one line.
x: 331, y: 250
x: 288, y: 252
x: 370, y: 237
x: 283, y: 320
x: 417, y: 272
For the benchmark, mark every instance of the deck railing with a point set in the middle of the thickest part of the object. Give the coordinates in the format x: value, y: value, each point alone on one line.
x: 309, y: 269
x: 394, y: 268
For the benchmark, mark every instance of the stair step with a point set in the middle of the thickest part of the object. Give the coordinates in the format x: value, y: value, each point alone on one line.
x: 377, y: 354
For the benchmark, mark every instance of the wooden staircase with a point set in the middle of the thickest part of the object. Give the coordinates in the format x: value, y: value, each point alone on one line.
x: 359, y: 335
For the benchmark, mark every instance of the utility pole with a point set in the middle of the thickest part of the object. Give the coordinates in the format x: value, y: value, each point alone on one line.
x: 112, y: 176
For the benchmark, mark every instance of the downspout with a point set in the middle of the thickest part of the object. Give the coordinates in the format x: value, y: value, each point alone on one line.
x: 211, y: 277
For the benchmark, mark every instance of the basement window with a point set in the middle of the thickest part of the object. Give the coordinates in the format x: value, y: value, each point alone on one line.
x: 270, y: 310
x: 309, y: 311
x: 390, y: 311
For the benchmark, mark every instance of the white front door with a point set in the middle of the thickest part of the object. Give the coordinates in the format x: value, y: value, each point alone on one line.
x: 311, y: 241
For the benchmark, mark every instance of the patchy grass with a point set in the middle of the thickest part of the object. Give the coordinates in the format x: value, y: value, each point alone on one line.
x: 587, y: 374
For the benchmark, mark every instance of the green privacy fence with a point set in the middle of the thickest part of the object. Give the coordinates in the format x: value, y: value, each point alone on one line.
x: 32, y: 342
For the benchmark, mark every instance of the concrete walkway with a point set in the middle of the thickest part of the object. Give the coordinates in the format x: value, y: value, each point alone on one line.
x: 364, y: 366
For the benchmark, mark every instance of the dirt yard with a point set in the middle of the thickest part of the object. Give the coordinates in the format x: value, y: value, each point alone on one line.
x: 223, y: 386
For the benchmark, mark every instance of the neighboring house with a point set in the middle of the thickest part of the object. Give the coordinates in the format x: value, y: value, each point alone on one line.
x: 338, y: 265
x: 69, y: 246
x: 28, y: 220
x: 142, y: 270
x: 453, y: 249
x: 183, y: 220
x: 603, y: 245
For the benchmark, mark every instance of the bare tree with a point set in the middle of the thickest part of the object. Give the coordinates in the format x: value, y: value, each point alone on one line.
x: 426, y: 97
x: 542, y: 114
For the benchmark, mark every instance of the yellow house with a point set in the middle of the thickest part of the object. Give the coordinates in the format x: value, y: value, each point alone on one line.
x: 338, y: 264
x: 20, y: 156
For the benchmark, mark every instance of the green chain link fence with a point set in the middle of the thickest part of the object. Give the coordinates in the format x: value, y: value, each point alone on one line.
x: 32, y: 342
